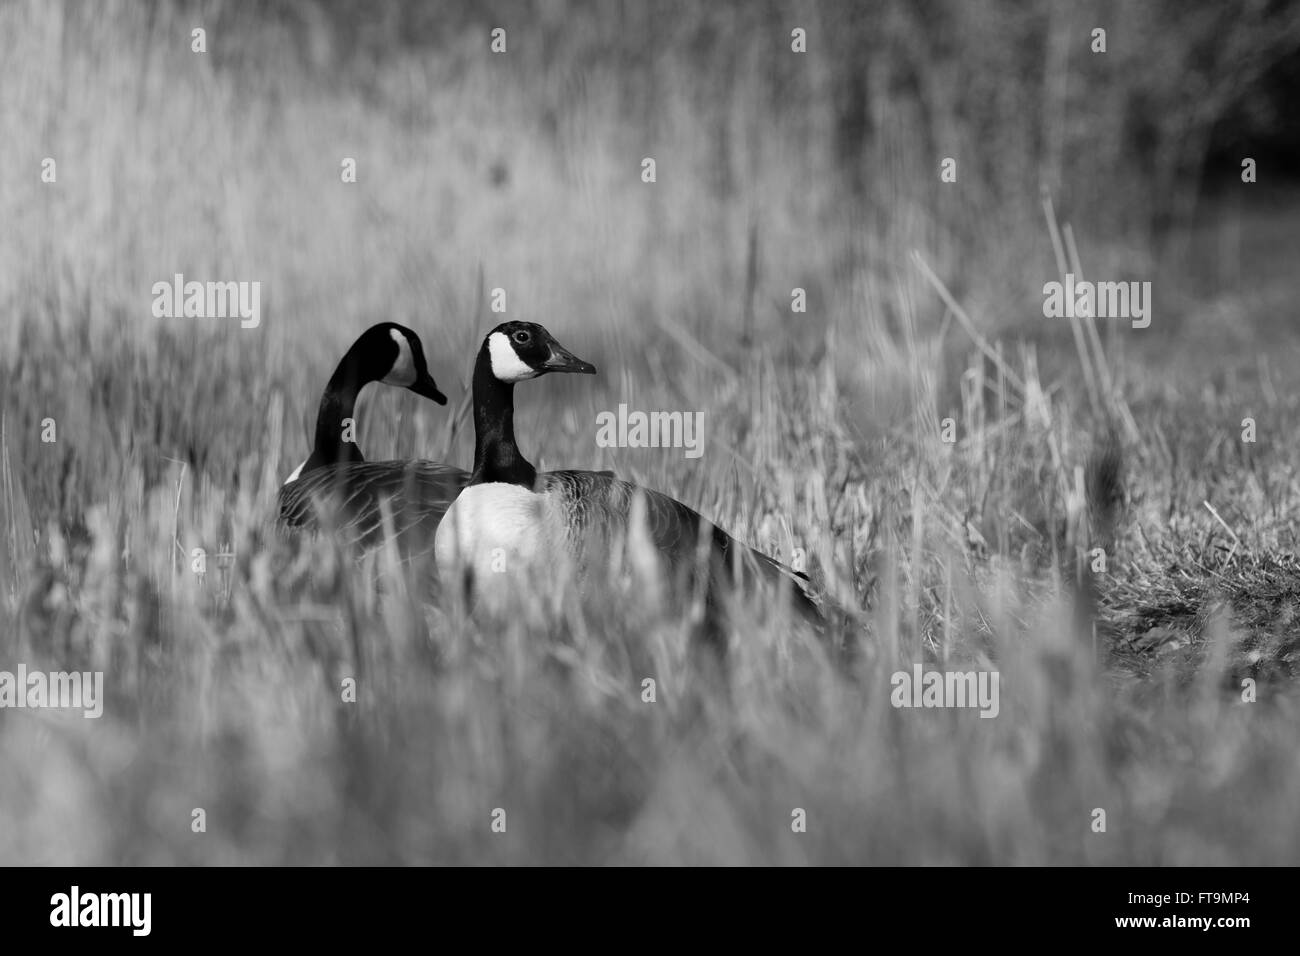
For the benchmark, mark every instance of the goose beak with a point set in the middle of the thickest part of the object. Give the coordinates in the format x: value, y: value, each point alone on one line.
x: 424, y: 385
x: 562, y: 360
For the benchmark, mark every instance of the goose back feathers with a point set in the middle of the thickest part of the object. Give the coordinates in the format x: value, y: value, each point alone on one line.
x: 600, y: 509
x: 360, y: 502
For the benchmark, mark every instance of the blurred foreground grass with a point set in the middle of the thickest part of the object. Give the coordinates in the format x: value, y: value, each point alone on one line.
x: 822, y: 434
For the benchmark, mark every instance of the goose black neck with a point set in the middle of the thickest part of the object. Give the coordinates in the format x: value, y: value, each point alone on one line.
x: 337, y: 405
x: 496, y: 456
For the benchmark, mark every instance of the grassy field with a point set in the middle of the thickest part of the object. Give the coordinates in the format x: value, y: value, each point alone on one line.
x: 823, y: 432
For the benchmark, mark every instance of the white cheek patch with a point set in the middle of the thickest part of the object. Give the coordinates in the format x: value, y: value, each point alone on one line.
x: 297, y: 472
x: 506, y: 363
x: 402, y: 373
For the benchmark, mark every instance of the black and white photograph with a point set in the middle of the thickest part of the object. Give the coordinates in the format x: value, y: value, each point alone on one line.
x: 679, y: 433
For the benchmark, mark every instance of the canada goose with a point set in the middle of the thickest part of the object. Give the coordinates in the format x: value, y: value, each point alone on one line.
x: 510, y: 516
x: 336, y: 488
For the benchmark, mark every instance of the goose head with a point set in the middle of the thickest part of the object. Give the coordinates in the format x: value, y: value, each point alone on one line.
x: 517, y: 351
x: 387, y: 353
x: 392, y: 354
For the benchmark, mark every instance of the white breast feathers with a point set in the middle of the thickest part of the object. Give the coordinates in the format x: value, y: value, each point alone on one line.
x: 504, y: 535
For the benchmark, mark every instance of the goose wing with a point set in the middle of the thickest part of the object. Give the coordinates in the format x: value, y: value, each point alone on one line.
x: 597, y: 503
x: 349, y: 500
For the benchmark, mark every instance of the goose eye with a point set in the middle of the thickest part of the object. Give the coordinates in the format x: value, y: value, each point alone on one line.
x: 522, y: 337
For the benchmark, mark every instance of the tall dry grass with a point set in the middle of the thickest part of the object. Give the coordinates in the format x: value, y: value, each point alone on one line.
x: 823, y: 433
